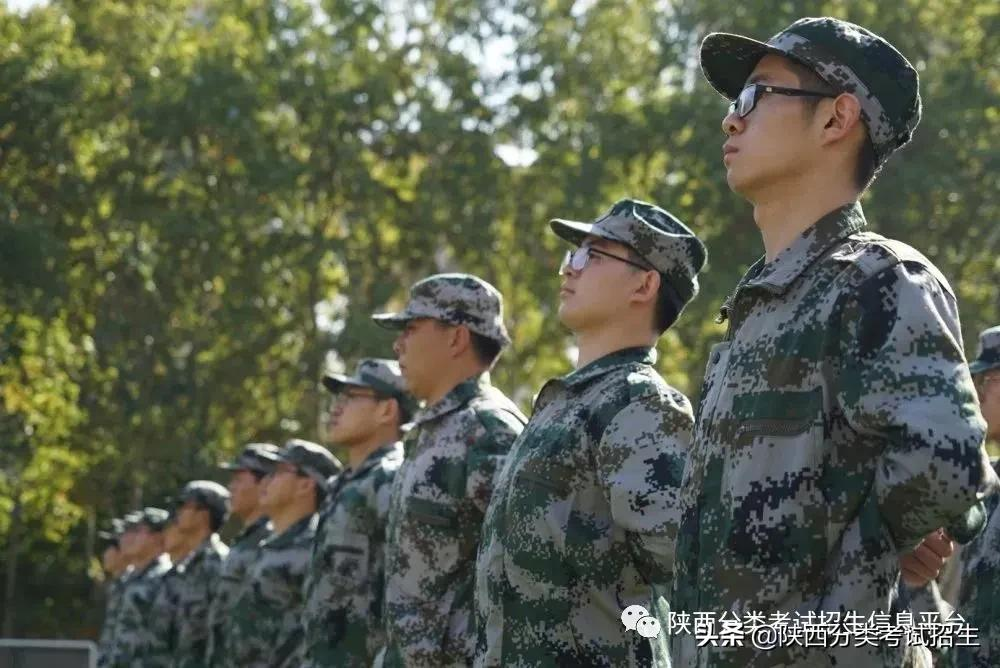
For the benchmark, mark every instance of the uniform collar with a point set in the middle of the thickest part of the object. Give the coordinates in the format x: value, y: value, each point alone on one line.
x: 393, y: 450
x: 291, y: 534
x: 460, y: 395
x: 610, y: 362
x: 162, y: 561
x: 254, y: 527
x: 776, y: 276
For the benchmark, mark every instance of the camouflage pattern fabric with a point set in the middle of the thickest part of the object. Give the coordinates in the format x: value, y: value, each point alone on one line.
x: 838, y: 425
x: 267, y: 616
x: 161, y: 631
x: 192, y: 592
x: 988, y: 356
x: 979, y: 595
x: 233, y: 577
x: 344, y: 588
x: 458, y: 299
x: 848, y: 57
x: 116, y: 587
x: 439, y: 496
x: 666, y: 243
x: 584, y: 518
x: 133, y: 625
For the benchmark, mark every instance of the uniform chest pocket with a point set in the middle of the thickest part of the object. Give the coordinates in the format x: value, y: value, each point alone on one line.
x: 433, y: 514
x: 773, y: 480
x: 347, y: 560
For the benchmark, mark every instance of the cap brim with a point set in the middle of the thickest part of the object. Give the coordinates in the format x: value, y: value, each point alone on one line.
x: 392, y: 320
x: 982, y: 367
x: 575, y: 232
x: 728, y: 60
x: 334, y: 382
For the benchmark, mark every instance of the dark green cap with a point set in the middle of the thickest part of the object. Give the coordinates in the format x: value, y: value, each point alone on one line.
x: 989, y: 351
x: 209, y: 495
x: 154, y: 518
x: 381, y: 375
x: 848, y: 57
x: 311, y: 459
x: 655, y: 234
x: 257, y: 457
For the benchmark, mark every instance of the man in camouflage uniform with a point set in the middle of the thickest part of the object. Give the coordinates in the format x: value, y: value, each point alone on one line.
x: 248, y: 470
x: 134, y: 645
x: 267, y: 614
x: 838, y: 424
x: 342, y: 615
x: 452, y: 333
x: 118, y: 569
x: 979, y: 561
x: 585, y: 513
x: 203, y: 507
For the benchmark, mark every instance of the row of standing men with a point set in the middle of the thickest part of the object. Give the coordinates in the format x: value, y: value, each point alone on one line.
x: 837, y: 448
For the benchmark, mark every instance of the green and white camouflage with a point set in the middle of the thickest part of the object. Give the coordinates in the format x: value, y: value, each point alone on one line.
x: 848, y: 57
x: 979, y: 593
x: 134, y: 637
x: 192, y: 591
x: 233, y: 577
x: 837, y: 427
x: 439, y: 496
x: 584, y: 518
x: 457, y: 299
x: 342, y: 615
x: 267, y: 615
x: 115, y: 589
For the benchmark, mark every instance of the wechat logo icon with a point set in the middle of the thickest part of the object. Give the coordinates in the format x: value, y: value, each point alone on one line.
x: 636, y: 618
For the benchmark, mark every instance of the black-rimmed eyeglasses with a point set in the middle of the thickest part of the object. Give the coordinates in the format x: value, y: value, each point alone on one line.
x: 749, y: 96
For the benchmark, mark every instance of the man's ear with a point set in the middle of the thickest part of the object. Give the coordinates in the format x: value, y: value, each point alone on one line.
x: 459, y: 340
x: 387, y: 412
x: 648, y: 289
x: 841, y: 118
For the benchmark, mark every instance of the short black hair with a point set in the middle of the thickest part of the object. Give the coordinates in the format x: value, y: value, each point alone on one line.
x: 487, y: 350
x: 216, y: 516
x: 866, y: 167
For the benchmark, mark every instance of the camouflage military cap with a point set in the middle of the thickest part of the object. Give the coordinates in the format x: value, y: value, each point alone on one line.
x: 846, y: 56
x: 989, y: 351
x: 457, y: 299
x: 154, y: 518
x: 114, y: 532
x: 656, y: 235
x: 381, y: 375
x: 257, y: 457
x: 207, y: 494
x: 311, y: 459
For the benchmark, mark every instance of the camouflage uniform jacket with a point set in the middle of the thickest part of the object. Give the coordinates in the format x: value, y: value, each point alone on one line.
x: 192, y: 592
x: 267, y: 616
x: 133, y: 631
x: 979, y: 595
x: 115, y: 588
x: 439, y: 496
x: 344, y: 587
x: 233, y: 574
x: 584, y: 518
x: 838, y: 425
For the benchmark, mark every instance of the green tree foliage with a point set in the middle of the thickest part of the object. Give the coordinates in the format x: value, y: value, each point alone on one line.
x: 201, y: 198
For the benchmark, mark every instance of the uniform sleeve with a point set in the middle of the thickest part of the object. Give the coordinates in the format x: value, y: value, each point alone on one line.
x: 905, y: 382
x: 486, y: 456
x: 640, y: 462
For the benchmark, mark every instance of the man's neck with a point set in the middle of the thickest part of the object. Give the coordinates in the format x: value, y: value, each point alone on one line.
x: 283, y: 518
x: 452, y: 377
x: 143, y: 561
x: 191, y: 542
x: 359, y: 452
x: 252, y: 517
x: 596, y: 343
x: 784, y: 212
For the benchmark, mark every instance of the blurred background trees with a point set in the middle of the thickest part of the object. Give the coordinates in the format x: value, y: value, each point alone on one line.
x: 202, y: 202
